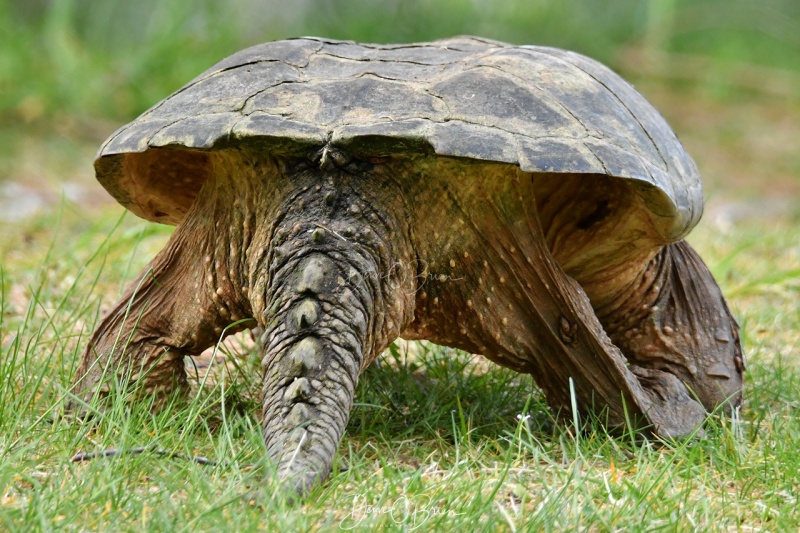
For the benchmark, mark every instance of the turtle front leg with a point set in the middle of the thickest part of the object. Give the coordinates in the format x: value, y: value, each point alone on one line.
x: 674, y: 319
x: 496, y: 288
x: 176, y: 307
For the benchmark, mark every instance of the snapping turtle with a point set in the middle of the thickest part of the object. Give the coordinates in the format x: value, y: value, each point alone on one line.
x: 523, y: 203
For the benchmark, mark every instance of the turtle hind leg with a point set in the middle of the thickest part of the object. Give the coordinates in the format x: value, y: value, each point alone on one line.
x: 674, y: 319
x: 172, y: 309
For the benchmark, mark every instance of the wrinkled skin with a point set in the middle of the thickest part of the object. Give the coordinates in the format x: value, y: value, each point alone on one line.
x: 334, y: 259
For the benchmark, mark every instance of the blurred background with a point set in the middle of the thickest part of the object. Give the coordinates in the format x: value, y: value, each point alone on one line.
x: 725, y: 73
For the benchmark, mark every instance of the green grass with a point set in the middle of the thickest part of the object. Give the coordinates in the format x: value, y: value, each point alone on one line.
x: 437, y: 439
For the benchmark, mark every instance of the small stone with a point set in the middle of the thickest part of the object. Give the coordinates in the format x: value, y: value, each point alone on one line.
x: 452, y: 264
x: 505, y: 321
x: 318, y: 235
x: 442, y: 277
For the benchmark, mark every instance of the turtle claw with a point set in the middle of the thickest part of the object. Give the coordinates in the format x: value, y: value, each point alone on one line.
x: 668, y: 404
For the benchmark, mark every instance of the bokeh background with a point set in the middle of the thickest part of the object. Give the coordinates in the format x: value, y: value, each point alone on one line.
x: 725, y: 73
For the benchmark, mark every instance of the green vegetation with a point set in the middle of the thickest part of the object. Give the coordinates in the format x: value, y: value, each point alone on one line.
x: 438, y: 439
x: 434, y: 440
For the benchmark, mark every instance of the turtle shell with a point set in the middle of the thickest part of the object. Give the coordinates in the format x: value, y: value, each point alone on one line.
x: 542, y: 109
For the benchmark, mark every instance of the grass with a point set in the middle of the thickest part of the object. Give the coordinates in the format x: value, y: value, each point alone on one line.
x: 437, y: 439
